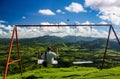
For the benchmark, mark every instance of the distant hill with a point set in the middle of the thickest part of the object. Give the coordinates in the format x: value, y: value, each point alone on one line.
x: 48, y: 38
x: 85, y: 42
x: 77, y: 38
x: 43, y: 39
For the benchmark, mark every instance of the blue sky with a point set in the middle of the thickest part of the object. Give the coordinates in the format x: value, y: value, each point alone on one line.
x: 58, y: 12
x: 26, y: 11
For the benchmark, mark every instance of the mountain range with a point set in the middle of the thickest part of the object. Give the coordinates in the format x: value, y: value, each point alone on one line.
x: 48, y: 38
x: 86, y: 42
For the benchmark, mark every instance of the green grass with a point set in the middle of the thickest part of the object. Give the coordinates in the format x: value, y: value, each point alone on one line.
x: 69, y: 73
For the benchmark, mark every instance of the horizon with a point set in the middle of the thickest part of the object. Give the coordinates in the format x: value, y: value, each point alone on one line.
x: 75, y: 37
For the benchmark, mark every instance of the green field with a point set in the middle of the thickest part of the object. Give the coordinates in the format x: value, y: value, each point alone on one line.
x: 75, y: 72
x: 69, y: 51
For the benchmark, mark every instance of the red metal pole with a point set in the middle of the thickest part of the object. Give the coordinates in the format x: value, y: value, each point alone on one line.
x: 104, y: 56
x: 8, y: 58
x: 62, y: 25
x: 18, y: 60
x: 18, y: 48
x: 115, y: 35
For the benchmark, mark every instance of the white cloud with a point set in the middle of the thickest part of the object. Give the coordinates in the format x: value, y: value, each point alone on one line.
x: 2, y: 21
x: 108, y: 10
x: 23, y: 17
x: 90, y: 31
x: 75, y: 7
x: 29, y: 32
x: 103, y: 22
x: 60, y: 11
x: 87, y: 22
x: 46, y: 23
x: 46, y: 12
x: 5, y: 31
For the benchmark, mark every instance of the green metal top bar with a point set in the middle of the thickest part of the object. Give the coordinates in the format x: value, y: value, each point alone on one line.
x: 53, y: 25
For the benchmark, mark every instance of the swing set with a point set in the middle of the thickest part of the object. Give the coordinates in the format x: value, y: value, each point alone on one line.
x: 15, y: 33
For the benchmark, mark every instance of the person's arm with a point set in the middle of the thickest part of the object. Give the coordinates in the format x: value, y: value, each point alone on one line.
x: 54, y: 55
x: 43, y: 56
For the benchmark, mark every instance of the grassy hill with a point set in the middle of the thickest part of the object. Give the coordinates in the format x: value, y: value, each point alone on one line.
x: 70, y: 49
x: 73, y: 72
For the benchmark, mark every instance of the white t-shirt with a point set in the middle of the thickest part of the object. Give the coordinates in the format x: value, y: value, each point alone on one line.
x: 49, y: 56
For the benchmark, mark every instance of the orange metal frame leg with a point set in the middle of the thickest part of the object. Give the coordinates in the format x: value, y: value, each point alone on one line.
x: 9, y: 53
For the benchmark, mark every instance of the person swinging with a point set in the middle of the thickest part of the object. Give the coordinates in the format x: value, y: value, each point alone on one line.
x: 49, y: 57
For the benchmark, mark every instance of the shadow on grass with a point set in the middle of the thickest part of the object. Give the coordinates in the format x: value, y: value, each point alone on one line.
x: 31, y: 77
x: 70, y: 76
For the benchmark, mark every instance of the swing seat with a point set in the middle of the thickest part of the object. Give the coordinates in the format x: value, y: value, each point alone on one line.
x: 41, y: 61
x: 83, y: 62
